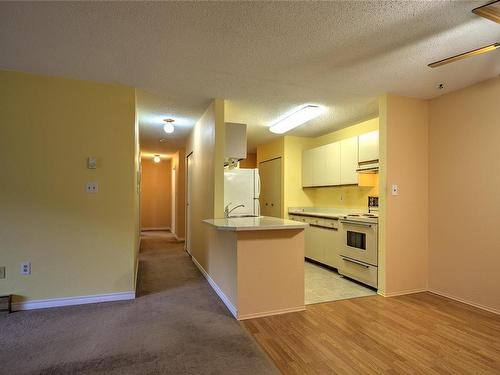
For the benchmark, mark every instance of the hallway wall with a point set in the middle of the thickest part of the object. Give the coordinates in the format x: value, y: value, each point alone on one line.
x: 156, y: 190
x: 78, y: 243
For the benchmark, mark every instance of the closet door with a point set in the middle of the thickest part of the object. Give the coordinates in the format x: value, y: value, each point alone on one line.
x: 270, y: 193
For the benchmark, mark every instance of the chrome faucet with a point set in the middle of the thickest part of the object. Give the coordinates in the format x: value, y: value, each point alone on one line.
x: 227, y: 211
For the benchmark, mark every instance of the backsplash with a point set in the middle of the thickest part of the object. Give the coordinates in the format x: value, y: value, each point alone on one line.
x: 344, y: 196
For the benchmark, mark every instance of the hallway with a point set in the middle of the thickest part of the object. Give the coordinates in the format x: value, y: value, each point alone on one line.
x: 177, y: 325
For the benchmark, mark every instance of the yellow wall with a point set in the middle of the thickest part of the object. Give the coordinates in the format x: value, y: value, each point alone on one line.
x: 206, y: 143
x: 464, y: 193
x: 156, y: 198
x: 403, y: 230
x: 78, y: 243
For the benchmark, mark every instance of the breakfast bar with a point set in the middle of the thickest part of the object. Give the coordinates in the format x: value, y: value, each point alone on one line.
x: 256, y: 264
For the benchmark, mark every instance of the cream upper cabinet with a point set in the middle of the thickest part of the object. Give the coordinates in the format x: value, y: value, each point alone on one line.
x: 307, y: 168
x: 368, y: 147
x: 319, y: 157
x: 332, y: 164
x: 349, y: 161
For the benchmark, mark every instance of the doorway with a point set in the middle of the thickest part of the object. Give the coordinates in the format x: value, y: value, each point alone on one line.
x: 270, y: 194
x: 189, y: 184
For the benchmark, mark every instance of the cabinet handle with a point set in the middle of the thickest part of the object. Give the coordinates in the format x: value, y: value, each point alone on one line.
x: 355, y: 262
x: 355, y: 223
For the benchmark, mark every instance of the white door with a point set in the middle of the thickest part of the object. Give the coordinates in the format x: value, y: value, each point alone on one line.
x: 174, y: 206
x: 189, y: 183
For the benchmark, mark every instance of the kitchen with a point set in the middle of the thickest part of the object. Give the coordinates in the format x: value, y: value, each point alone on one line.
x: 329, y: 183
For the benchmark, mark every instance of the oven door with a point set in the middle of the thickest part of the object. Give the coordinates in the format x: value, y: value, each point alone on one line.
x: 360, y: 241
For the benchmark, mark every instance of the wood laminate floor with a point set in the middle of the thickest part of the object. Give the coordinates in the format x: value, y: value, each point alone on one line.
x: 420, y: 333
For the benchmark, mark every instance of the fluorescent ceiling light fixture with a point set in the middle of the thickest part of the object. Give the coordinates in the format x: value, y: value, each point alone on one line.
x: 464, y: 55
x: 156, y: 158
x: 296, y: 118
x: 169, y: 125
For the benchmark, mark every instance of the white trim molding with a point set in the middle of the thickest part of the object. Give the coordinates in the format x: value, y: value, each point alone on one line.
x: 470, y: 303
x: 71, y: 301
x: 402, y: 292
x: 232, y: 309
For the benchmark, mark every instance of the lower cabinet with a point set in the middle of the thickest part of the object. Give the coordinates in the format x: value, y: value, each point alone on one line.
x: 323, y: 245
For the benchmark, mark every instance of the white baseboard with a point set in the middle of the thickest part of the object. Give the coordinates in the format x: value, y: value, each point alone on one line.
x: 232, y: 309
x: 272, y: 312
x: 70, y: 301
x: 402, y: 292
x: 155, y: 228
x: 479, y: 306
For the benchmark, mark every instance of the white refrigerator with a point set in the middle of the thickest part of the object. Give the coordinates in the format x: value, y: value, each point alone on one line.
x: 242, y: 186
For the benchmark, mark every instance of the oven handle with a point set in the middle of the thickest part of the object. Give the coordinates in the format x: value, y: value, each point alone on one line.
x: 355, y: 223
x: 355, y: 261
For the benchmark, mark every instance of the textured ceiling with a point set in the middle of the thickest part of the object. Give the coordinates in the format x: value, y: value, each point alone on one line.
x: 264, y: 58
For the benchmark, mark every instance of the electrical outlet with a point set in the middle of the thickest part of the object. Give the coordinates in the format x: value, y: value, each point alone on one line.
x: 92, y: 187
x: 25, y: 268
x: 2, y: 272
x: 395, y: 190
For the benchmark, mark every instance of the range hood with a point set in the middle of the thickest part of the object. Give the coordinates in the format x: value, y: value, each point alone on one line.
x: 368, y: 167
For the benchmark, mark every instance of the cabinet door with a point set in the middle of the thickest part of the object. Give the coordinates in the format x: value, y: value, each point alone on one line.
x: 316, y: 244
x: 333, y: 242
x: 332, y: 164
x: 270, y: 194
x: 368, y: 146
x: 307, y: 163
x: 319, y: 165
x: 349, y: 161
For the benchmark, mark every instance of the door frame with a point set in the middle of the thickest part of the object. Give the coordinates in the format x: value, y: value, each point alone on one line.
x: 188, y: 213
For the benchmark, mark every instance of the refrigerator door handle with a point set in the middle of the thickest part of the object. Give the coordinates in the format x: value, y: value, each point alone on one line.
x: 257, y: 184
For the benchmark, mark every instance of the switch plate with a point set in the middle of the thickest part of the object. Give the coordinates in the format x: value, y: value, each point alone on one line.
x: 2, y: 272
x: 25, y: 268
x: 395, y: 190
x: 91, y: 162
x: 92, y: 187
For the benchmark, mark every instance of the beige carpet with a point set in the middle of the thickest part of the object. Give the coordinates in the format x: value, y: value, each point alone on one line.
x: 177, y: 325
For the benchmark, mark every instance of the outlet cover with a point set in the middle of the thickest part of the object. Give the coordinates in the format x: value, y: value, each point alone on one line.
x: 92, y: 187
x: 2, y: 272
x: 25, y: 268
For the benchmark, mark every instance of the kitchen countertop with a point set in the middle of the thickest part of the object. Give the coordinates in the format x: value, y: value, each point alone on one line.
x: 333, y: 213
x: 254, y: 223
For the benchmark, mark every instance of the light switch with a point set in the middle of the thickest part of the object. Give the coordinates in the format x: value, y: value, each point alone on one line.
x: 395, y: 190
x: 92, y: 187
x: 91, y: 162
